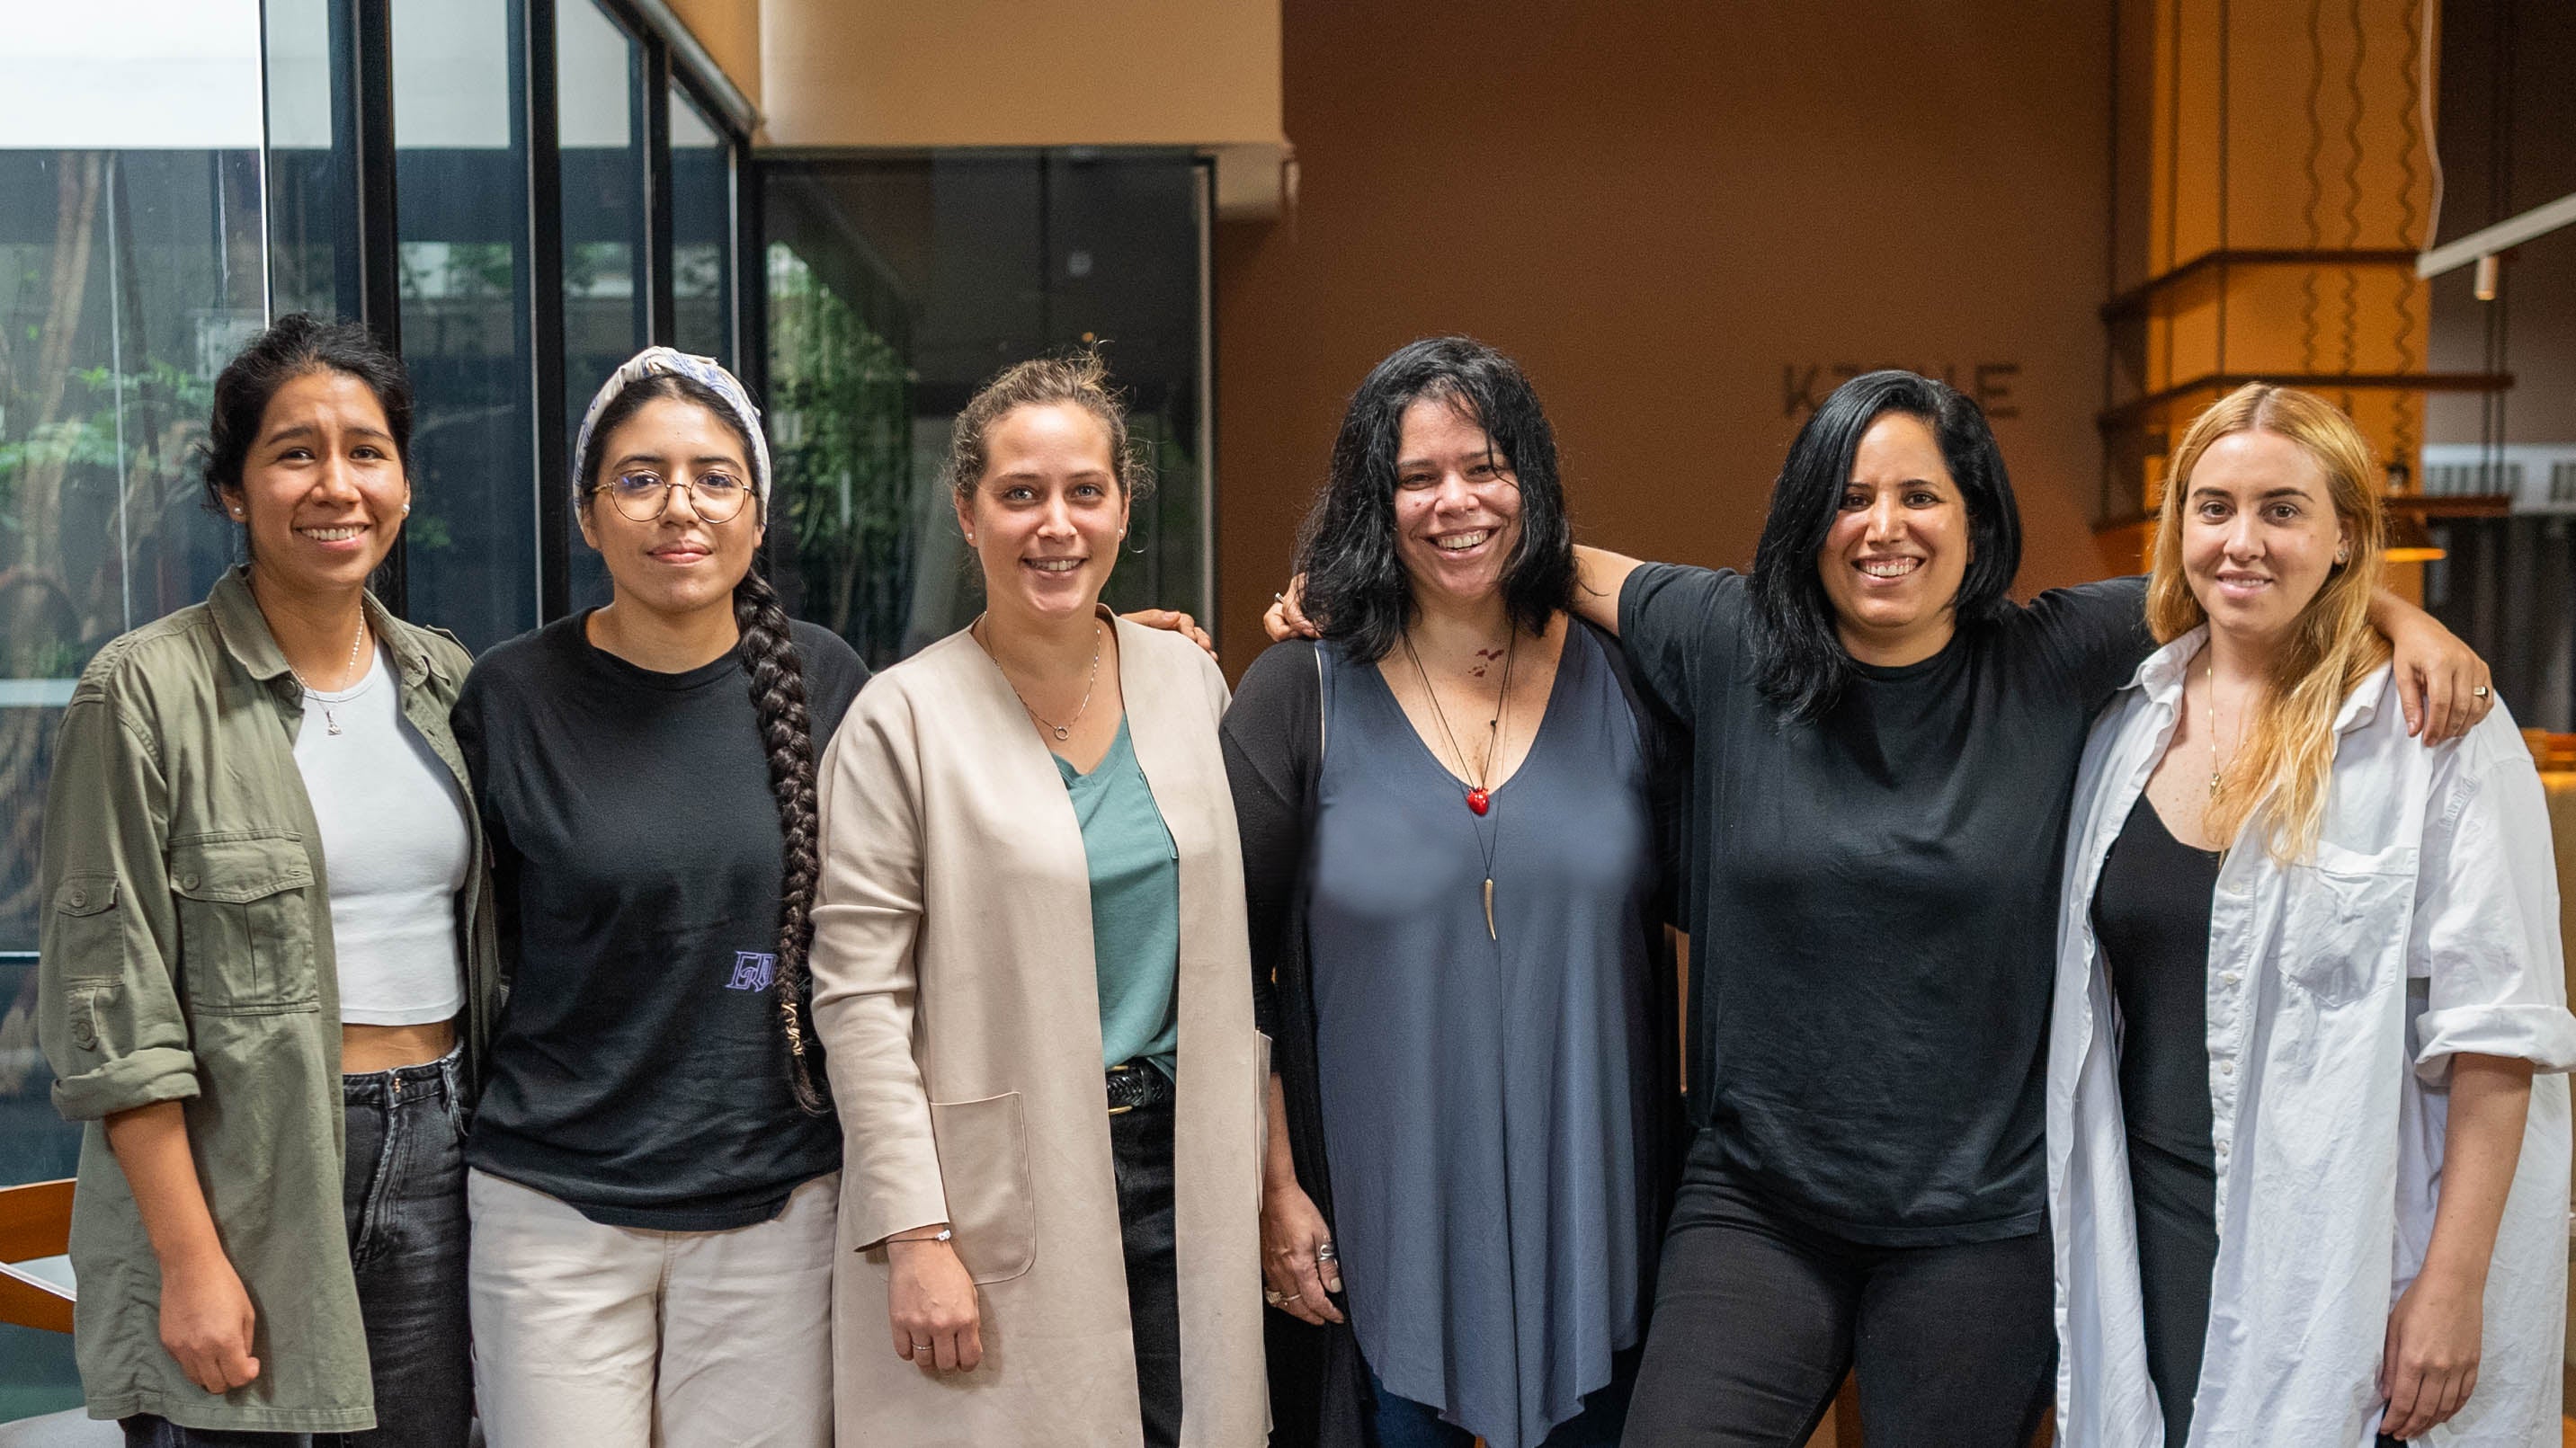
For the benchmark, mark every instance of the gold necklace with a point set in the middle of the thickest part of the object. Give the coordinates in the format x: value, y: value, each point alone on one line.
x: 330, y: 721
x: 2217, y: 766
x: 1479, y: 798
x: 1065, y: 729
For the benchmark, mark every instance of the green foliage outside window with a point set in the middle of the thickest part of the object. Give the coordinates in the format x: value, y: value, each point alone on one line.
x: 841, y: 430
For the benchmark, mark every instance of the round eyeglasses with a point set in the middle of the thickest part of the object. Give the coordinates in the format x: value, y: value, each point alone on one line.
x: 642, y: 496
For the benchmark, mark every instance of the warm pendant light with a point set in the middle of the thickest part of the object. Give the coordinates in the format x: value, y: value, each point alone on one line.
x: 2409, y: 541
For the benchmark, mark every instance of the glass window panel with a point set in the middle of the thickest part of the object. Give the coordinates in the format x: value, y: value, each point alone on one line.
x: 598, y: 116
x: 897, y: 287
x: 702, y: 232
x: 2508, y: 586
x: 312, y: 212
x: 460, y: 169
x: 130, y: 271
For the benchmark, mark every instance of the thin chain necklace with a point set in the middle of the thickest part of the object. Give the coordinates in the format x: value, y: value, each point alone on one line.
x: 330, y: 721
x: 2217, y: 766
x: 1479, y: 798
x: 1064, y: 730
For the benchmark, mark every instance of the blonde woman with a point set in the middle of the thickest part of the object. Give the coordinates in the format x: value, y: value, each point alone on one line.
x: 2307, y: 1163
x: 1033, y: 987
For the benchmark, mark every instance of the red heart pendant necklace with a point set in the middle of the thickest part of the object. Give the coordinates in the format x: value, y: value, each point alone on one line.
x: 1480, y: 797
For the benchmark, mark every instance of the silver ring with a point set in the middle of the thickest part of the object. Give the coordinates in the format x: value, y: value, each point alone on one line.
x: 920, y: 1346
x: 1324, y: 1253
x: 2480, y: 692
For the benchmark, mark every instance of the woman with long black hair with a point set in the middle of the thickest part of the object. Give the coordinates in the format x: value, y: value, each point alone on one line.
x: 654, y: 1172
x: 1885, y: 746
x: 1451, y: 848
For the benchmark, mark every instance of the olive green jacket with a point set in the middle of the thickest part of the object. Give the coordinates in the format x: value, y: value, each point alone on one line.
x: 187, y: 957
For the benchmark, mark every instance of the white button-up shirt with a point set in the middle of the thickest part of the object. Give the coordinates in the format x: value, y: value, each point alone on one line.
x: 2425, y: 924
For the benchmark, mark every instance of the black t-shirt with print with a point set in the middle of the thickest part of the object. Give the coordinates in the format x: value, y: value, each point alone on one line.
x: 1872, y: 902
x: 638, y: 1071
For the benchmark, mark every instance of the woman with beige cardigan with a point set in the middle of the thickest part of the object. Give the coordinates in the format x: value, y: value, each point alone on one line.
x: 1033, y: 989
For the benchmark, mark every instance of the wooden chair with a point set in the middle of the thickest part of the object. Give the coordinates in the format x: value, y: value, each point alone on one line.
x: 35, y: 1221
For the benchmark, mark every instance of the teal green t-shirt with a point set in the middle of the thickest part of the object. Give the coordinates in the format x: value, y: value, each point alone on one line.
x: 1135, y: 906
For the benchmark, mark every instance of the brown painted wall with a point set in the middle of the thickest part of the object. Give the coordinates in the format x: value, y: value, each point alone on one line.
x: 1668, y: 212
x: 1020, y: 73
x: 730, y: 30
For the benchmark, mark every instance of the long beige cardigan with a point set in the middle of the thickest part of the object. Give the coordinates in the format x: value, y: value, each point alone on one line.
x: 955, y: 996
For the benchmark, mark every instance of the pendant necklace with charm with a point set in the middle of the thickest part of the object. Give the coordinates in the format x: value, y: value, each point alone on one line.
x: 1480, y: 798
x: 331, y: 721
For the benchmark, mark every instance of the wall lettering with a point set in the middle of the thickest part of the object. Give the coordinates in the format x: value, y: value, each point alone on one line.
x: 1805, y: 384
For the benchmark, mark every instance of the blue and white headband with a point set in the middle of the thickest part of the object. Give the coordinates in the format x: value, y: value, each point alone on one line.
x: 707, y: 373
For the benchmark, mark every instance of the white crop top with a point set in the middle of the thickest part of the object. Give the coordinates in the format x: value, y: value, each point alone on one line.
x: 395, y: 846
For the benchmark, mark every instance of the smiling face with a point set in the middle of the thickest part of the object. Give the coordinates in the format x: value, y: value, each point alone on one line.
x: 322, y: 490
x: 2260, y: 535
x: 1457, y: 504
x: 1046, y: 516
x: 1898, y: 549
x: 680, y: 563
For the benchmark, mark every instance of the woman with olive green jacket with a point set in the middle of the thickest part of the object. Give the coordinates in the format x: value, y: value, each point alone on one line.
x: 188, y: 957
x: 267, y: 972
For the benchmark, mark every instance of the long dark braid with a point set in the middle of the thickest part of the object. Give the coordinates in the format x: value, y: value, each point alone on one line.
x: 786, y: 731
x: 778, y: 692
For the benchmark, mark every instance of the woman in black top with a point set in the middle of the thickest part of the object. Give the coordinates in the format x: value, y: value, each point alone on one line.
x: 1883, y: 749
x: 1451, y: 851
x: 653, y: 1168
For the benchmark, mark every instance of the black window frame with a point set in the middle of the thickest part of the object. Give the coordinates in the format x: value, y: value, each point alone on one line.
x: 364, y: 93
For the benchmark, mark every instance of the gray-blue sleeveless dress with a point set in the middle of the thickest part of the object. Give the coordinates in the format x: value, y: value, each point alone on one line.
x: 1487, y: 1102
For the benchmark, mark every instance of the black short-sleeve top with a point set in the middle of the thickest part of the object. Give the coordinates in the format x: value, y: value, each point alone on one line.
x: 1871, y: 902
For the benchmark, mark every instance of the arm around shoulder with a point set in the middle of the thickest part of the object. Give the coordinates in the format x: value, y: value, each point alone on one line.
x: 1600, y: 576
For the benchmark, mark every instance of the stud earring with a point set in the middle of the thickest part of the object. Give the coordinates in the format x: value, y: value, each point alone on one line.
x: 237, y: 512
x: 406, y: 510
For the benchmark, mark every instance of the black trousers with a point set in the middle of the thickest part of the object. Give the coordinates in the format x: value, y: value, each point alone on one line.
x: 404, y: 1196
x: 1140, y: 1147
x: 1758, y: 1316
x: 2177, y: 1203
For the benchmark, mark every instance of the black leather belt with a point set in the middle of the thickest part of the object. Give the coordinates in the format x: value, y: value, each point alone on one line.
x: 1136, y: 1084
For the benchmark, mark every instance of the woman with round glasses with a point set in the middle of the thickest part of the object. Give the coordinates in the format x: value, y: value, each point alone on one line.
x: 653, y: 1173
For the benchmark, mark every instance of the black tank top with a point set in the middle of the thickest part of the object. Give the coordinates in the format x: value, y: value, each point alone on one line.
x: 2151, y: 913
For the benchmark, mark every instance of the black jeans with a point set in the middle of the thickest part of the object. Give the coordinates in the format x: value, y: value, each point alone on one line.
x: 404, y: 1195
x: 1758, y: 1315
x: 1140, y: 1147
